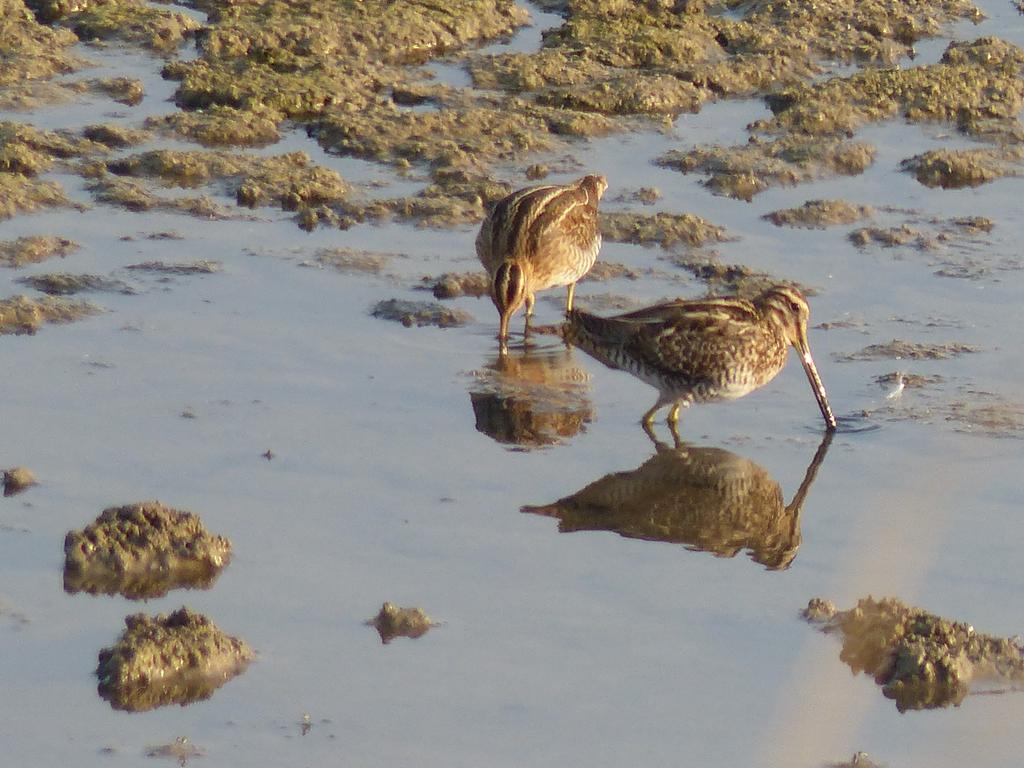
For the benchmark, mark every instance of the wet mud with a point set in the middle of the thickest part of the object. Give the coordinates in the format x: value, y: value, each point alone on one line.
x: 392, y: 622
x: 17, y: 480
x: 898, y: 349
x: 65, y: 284
x: 34, y: 249
x: 819, y: 214
x: 420, y: 313
x: 143, y: 551
x: 920, y: 660
x: 24, y: 315
x: 177, y: 658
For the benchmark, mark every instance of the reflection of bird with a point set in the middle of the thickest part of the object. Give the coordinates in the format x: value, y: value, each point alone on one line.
x: 704, y: 349
x: 709, y: 499
x: 538, y: 238
x: 531, y: 398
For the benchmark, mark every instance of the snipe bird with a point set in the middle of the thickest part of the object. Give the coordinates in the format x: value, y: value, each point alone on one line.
x: 538, y: 238
x: 702, y: 350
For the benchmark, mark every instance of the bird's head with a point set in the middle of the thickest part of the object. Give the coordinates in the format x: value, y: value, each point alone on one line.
x: 788, y: 310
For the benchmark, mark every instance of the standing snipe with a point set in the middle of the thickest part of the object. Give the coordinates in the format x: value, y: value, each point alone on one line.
x: 704, y: 349
x: 538, y: 238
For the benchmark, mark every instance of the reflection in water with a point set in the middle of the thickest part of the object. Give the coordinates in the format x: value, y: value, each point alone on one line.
x: 531, y: 397
x: 709, y: 499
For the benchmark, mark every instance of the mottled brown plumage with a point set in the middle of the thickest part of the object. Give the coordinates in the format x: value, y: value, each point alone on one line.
x: 539, y: 238
x: 703, y: 350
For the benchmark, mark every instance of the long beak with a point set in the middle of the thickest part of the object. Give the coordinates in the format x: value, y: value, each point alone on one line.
x: 804, y: 350
x: 503, y: 326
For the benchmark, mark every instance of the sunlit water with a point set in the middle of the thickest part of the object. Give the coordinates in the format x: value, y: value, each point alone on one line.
x: 583, y: 648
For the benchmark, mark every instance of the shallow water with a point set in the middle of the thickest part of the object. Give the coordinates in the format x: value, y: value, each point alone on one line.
x: 584, y: 647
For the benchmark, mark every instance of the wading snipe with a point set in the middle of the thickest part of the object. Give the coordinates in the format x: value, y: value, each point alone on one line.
x: 538, y: 238
x: 705, y: 349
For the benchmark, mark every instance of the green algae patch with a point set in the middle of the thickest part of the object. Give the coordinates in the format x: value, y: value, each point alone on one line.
x: 955, y: 169
x: 420, y: 313
x: 66, y: 284
x: 920, y: 660
x: 392, y: 622
x: 819, y: 214
x: 220, y: 126
x: 143, y: 551
x: 131, y: 21
x: 526, y: 400
x: 177, y: 658
x: 22, y: 315
x: 34, y: 249
x: 664, y: 229
x: 749, y: 169
x: 17, y: 480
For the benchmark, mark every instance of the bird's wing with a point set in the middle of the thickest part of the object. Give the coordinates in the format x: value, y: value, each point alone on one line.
x: 687, y: 337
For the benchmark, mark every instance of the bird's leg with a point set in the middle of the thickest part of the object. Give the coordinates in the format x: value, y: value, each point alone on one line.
x: 529, y: 314
x: 649, y: 429
x: 649, y: 416
x: 673, y: 423
x: 568, y: 299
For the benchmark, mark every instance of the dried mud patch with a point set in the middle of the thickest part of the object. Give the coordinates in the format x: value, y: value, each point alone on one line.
x: 34, y: 249
x: 920, y: 660
x: 143, y: 551
x: 177, y: 658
